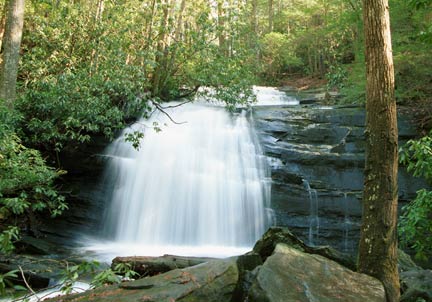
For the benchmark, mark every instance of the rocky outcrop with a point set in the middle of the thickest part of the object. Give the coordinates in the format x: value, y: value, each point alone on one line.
x: 416, y: 285
x: 213, y: 281
x: 291, y: 275
x: 292, y: 271
x: 287, y: 275
x: 275, y: 235
x: 316, y: 154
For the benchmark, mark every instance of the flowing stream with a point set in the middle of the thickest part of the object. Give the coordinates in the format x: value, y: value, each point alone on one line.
x: 199, y: 187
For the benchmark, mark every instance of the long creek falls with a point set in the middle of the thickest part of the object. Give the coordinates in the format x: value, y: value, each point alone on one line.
x: 200, y: 186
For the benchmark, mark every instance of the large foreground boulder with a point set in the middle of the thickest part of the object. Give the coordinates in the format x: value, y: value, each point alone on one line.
x: 291, y: 275
x: 213, y: 281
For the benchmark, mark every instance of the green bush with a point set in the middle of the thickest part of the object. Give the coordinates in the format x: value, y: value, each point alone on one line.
x: 278, y: 55
x: 415, y: 225
x: 68, y: 109
x: 26, y: 184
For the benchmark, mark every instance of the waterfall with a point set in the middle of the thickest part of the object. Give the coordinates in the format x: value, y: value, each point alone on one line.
x: 346, y: 223
x: 201, y: 183
x: 314, y: 223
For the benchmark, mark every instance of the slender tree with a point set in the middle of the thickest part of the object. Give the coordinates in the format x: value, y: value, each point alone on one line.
x: 11, y: 47
x: 3, y: 22
x: 97, y: 24
x: 162, y: 47
x: 270, y: 15
x: 378, y: 243
x: 177, y: 38
x: 221, y: 24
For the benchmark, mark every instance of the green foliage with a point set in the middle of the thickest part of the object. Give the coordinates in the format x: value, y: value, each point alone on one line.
x: 26, y: 183
x: 354, y: 87
x: 72, y: 107
x: 419, y: 4
x: 415, y: 225
x: 108, y: 276
x: 336, y: 77
x: 412, y: 39
x: 113, y: 276
x: 278, y: 55
x: 225, y: 79
x: 417, y: 155
x: 125, y: 269
x: 72, y: 273
x: 5, y: 282
x: 7, y: 237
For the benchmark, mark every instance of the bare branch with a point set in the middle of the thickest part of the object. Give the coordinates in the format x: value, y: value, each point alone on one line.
x: 26, y: 283
x: 175, y: 106
x: 161, y: 109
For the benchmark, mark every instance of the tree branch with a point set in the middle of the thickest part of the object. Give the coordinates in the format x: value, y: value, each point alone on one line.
x: 26, y: 283
x: 161, y: 109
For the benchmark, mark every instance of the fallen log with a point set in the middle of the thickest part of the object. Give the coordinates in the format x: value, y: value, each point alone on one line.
x: 150, y: 266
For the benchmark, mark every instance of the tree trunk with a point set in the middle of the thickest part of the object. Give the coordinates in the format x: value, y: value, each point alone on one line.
x: 11, y: 47
x: 221, y: 25
x: 254, y: 19
x: 3, y: 23
x: 270, y: 16
x: 161, y: 48
x: 177, y: 38
x: 97, y: 23
x: 378, y: 243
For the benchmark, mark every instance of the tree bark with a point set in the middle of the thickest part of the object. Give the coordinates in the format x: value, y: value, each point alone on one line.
x: 11, y: 47
x: 378, y: 243
x: 177, y: 38
x: 221, y: 24
x: 254, y: 20
x: 97, y: 24
x: 270, y: 15
x: 161, y: 48
x: 3, y: 22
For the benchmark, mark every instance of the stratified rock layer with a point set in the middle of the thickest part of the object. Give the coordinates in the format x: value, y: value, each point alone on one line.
x: 316, y: 155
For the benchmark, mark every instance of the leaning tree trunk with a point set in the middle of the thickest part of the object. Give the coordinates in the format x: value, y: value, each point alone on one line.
x: 378, y: 243
x: 11, y: 47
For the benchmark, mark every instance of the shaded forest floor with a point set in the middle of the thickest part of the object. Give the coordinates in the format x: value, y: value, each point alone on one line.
x: 301, y: 82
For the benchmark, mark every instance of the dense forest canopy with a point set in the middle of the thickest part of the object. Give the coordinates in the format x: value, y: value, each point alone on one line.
x: 90, y: 67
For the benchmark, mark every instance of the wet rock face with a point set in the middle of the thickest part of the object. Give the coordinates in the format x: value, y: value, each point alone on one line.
x: 316, y: 156
x: 81, y: 186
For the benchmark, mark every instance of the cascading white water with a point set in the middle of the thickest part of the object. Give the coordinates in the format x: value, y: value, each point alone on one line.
x: 202, y: 183
x: 269, y: 96
x: 199, y: 188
